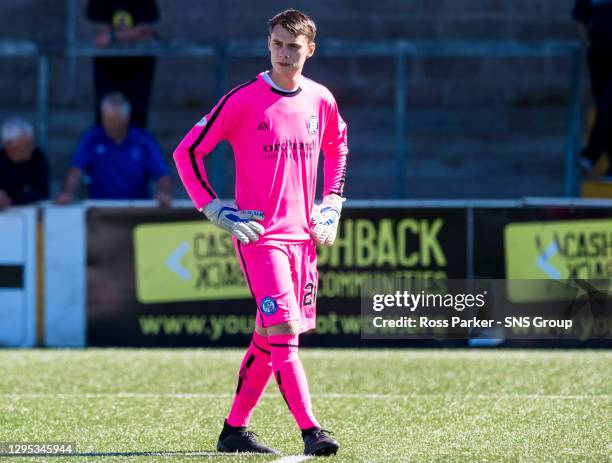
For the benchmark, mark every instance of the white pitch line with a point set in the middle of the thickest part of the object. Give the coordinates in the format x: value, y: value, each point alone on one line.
x: 292, y: 459
x: 332, y: 395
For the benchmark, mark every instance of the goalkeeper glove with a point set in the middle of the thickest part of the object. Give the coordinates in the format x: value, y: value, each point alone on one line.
x: 325, y: 220
x: 241, y: 224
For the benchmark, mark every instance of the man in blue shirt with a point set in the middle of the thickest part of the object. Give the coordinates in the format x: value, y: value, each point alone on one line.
x: 120, y: 159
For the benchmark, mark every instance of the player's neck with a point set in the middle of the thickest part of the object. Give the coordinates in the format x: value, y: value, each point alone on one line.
x: 117, y: 135
x: 287, y: 83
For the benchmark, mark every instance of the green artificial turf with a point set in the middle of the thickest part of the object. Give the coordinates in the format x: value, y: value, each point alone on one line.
x: 122, y: 405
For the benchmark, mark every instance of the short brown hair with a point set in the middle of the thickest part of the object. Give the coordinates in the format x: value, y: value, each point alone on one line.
x: 296, y: 22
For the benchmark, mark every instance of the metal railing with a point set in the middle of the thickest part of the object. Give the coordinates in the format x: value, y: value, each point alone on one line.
x: 400, y: 50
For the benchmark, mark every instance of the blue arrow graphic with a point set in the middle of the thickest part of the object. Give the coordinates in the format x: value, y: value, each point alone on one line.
x: 173, y: 262
x: 543, y: 263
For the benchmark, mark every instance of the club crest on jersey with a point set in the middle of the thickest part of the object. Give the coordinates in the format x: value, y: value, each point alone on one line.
x: 268, y: 305
x: 202, y: 122
x: 313, y: 124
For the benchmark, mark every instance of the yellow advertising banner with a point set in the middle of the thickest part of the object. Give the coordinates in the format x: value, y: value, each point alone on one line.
x: 186, y: 261
x: 559, y: 251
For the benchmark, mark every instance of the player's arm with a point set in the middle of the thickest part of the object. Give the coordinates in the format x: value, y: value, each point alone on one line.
x: 138, y: 33
x: 5, y: 200
x: 81, y: 161
x: 71, y: 183
x: 326, y: 216
x: 188, y: 156
x: 99, y: 12
x: 157, y: 170
x: 163, y: 191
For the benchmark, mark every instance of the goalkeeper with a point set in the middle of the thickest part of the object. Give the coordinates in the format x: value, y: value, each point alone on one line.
x: 277, y: 124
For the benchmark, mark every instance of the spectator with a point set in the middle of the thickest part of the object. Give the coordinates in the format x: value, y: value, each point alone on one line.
x: 119, y: 159
x: 24, y: 176
x: 595, y: 17
x: 124, y: 22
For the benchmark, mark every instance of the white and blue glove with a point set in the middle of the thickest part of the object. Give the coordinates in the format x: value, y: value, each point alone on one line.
x: 325, y: 219
x: 242, y: 224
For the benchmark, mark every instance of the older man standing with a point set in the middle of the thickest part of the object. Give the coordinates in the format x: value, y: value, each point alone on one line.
x: 121, y: 160
x: 23, y: 169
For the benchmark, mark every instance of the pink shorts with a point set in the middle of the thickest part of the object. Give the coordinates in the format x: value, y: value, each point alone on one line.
x: 283, y: 281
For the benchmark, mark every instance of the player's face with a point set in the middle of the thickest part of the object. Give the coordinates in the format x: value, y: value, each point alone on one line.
x: 20, y: 149
x: 288, y: 53
x: 114, y: 120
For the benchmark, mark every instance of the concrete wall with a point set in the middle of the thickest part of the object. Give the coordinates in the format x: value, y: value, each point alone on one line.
x: 182, y: 82
x: 468, y: 118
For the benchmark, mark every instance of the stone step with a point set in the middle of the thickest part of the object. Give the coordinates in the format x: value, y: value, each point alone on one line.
x: 481, y: 121
x: 521, y: 149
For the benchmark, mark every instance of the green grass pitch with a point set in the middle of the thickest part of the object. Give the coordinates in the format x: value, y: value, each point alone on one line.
x: 383, y: 405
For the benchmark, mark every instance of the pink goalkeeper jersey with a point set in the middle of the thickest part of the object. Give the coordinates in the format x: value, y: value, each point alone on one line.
x: 276, y: 137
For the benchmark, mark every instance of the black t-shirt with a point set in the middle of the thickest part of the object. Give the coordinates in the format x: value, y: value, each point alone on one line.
x: 24, y: 182
x: 597, y: 17
x: 122, y: 14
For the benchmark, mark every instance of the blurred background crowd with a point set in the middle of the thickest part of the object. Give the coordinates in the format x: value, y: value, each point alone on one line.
x: 444, y: 98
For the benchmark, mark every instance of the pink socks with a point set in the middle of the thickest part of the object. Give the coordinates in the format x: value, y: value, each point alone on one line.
x: 255, y: 372
x: 278, y: 353
x: 291, y: 378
